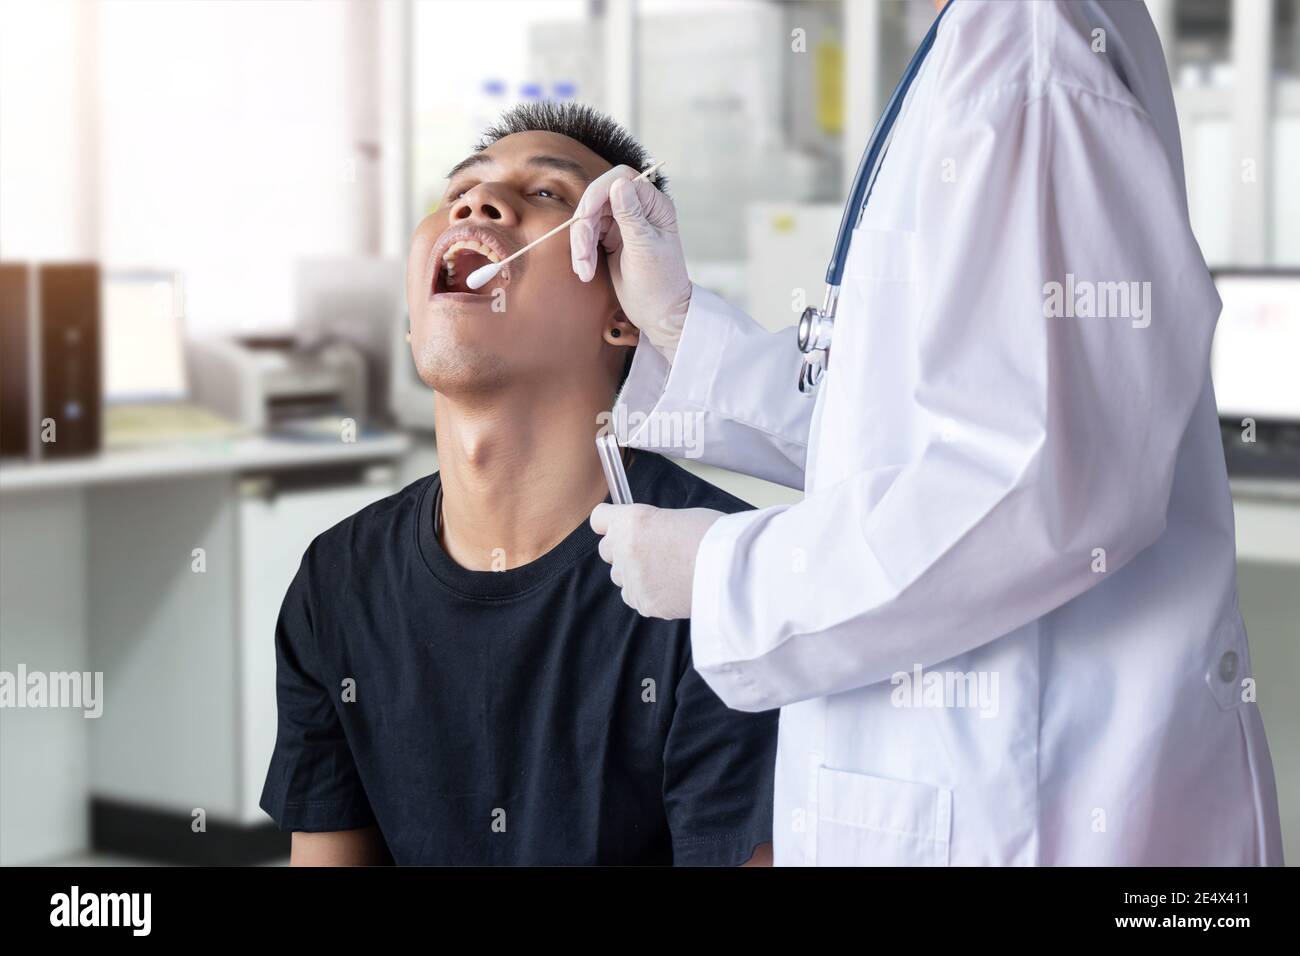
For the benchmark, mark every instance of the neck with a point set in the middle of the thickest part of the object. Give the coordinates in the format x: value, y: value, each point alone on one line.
x: 519, y: 472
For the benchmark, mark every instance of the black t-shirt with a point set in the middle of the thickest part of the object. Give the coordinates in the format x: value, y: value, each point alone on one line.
x: 525, y: 716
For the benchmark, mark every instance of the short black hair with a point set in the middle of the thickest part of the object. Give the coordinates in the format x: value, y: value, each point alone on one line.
x: 584, y: 124
x: 601, y: 134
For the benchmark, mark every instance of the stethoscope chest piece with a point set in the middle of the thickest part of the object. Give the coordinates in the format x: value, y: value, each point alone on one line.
x: 811, y: 371
x: 814, y: 332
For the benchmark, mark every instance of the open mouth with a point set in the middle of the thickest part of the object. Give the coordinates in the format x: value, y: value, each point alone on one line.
x: 460, y: 251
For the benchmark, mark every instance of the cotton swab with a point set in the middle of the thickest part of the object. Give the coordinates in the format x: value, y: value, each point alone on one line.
x: 485, y: 274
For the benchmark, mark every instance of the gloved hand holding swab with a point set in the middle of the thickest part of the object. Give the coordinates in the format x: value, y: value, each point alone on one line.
x: 485, y: 274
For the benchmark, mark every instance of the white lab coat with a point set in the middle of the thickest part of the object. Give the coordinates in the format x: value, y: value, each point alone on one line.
x: 1032, y: 510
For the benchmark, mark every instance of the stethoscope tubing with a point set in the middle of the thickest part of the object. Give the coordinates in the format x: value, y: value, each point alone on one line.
x: 863, y: 179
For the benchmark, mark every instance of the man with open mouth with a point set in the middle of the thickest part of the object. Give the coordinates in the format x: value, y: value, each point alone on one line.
x: 459, y: 680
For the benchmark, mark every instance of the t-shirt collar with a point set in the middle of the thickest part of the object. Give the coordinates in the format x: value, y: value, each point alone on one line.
x: 643, y: 469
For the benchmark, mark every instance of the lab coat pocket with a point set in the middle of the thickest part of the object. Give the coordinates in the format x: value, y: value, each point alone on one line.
x: 1227, y: 672
x: 874, y: 821
x: 882, y: 255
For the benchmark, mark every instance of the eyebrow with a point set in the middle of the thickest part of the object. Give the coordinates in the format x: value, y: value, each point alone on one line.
x: 475, y: 159
x: 560, y: 164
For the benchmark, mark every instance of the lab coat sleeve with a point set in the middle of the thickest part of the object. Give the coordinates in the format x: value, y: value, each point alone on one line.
x: 729, y: 398
x: 1054, y: 438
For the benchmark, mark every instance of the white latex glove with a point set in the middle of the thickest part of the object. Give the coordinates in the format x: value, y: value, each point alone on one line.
x: 651, y: 552
x: 636, y: 225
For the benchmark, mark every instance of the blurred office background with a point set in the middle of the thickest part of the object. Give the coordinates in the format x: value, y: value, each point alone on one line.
x: 205, y: 207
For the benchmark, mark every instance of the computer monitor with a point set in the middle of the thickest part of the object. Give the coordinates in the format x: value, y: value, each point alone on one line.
x: 1256, y: 357
x: 144, y: 349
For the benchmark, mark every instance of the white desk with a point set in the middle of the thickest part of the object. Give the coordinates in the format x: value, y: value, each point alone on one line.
x: 99, y: 575
x: 1268, y: 520
x: 1268, y: 584
x: 199, y: 458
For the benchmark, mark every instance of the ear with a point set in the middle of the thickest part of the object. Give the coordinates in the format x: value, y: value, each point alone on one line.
x: 627, y: 334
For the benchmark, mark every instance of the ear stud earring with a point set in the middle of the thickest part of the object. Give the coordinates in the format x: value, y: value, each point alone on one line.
x: 615, y: 332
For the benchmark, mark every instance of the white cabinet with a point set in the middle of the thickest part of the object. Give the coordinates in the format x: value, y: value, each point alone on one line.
x: 185, y: 638
x: 275, y: 526
x: 163, y: 569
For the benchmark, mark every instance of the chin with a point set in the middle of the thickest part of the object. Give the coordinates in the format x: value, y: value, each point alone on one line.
x: 458, y: 369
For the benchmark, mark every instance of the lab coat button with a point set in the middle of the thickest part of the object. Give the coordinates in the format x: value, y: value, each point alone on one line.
x: 1228, y: 666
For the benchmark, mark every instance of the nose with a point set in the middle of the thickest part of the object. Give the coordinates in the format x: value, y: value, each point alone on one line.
x: 484, y: 202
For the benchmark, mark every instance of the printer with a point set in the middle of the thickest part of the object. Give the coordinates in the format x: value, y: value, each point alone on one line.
x: 272, y: 383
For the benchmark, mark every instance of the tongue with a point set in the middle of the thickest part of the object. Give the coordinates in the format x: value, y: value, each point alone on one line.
x: 467, y: 262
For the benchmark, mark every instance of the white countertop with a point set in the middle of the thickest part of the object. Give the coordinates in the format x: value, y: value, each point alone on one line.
x: 194, y: 458
x: 1266, y: 489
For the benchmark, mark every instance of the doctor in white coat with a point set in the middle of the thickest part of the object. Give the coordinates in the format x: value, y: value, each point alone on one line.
x: 1002, y: 625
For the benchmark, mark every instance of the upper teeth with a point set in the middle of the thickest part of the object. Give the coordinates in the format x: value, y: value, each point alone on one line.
x: 472, y: 246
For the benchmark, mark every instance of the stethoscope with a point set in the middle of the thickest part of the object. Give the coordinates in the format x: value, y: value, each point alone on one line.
x: 815, y: 324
